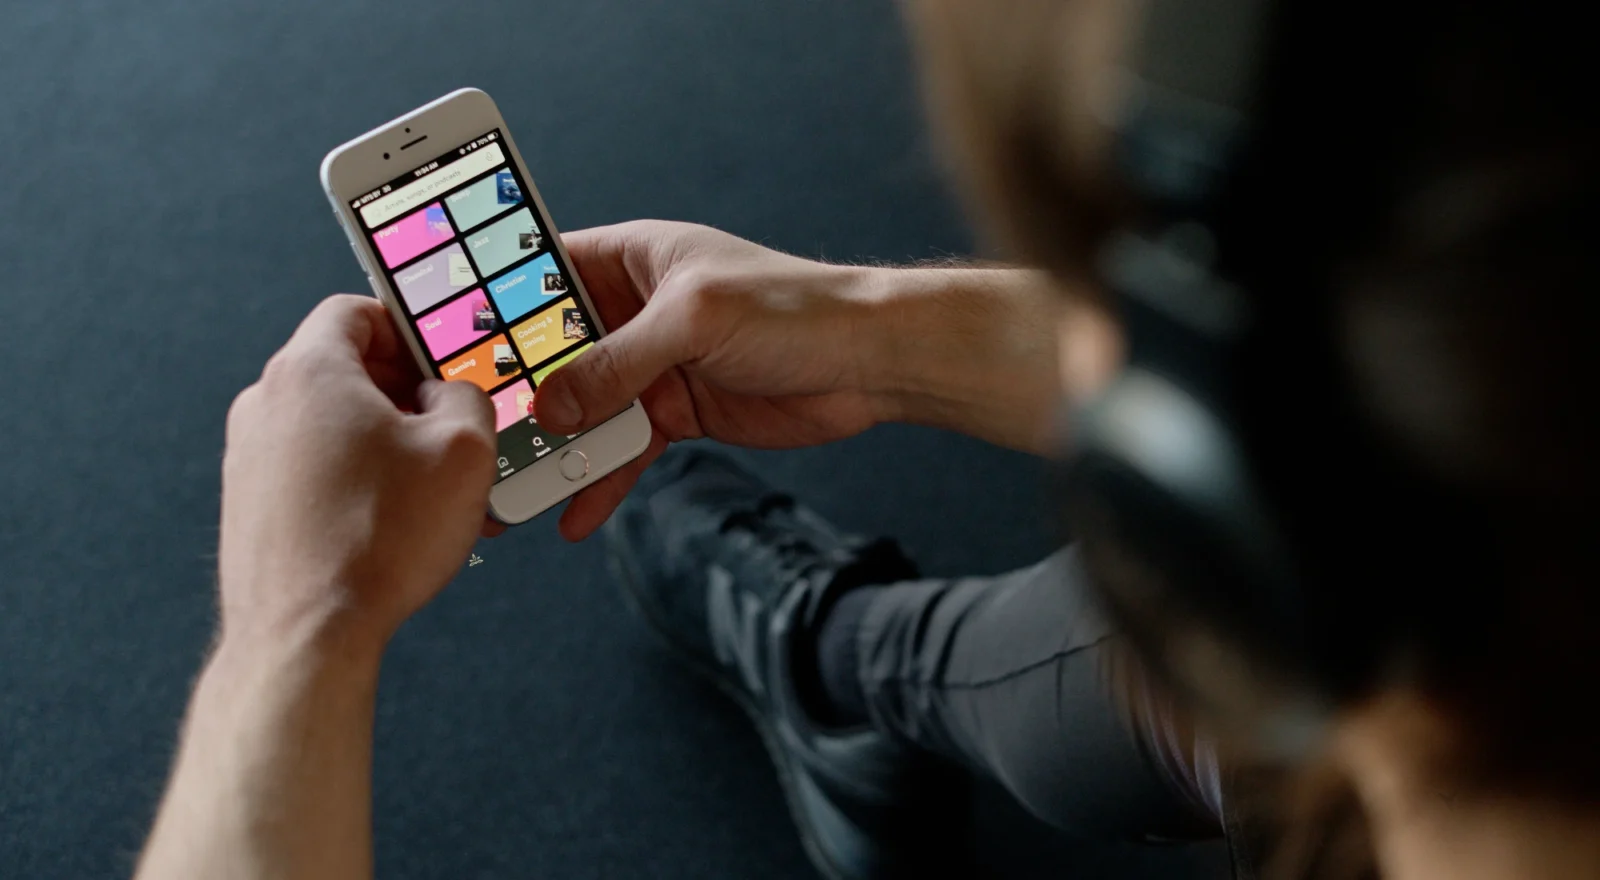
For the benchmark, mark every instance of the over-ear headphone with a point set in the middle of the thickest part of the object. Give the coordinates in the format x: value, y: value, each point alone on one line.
x: 1262, y: 544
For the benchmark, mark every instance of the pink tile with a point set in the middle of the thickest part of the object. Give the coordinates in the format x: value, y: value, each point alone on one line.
x: 512, y: 404
x: 412, y: 235
x: 453, y: 325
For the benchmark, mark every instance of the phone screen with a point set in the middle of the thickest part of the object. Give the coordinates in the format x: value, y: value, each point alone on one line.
x: 481, y: 283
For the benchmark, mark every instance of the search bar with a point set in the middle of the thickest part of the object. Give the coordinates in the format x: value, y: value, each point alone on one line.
x: 412, y: 194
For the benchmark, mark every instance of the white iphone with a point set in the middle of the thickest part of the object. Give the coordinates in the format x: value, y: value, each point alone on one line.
x: 455, y: 240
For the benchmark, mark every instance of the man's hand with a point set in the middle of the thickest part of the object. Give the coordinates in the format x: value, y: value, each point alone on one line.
x: 720, y: 338
x: 338, y: 505
x: 726, y: 339
x: 350, y: 495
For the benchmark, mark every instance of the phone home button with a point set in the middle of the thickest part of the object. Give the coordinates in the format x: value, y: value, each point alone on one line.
x: 574, y: 465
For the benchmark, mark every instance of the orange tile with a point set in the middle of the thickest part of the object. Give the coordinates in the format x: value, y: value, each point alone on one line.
x: 477, y: 364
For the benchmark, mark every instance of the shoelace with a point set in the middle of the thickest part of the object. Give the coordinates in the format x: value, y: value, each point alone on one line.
x: 776, y: 546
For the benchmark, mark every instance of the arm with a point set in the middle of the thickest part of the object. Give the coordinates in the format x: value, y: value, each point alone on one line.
x: 273, y: 777
x: 980, y: 351
x: 351, y: 494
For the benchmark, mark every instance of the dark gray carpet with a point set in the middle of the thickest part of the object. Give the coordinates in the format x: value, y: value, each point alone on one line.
x: 163, y: 231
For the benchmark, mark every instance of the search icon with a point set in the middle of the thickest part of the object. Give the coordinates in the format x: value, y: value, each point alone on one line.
x: 538, y: 441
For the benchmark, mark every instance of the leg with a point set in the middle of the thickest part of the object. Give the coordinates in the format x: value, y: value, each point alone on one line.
x: 1011, y: 676
x: 733, y: 577
x: 1021, y: 678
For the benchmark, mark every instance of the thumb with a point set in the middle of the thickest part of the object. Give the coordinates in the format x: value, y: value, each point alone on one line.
x: 458, y: 407
x: 603, y: 380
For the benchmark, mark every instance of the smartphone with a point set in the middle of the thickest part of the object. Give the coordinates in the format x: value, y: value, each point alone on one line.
x: 443, y: 216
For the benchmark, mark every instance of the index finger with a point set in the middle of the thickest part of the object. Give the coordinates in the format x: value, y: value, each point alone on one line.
x: 600, y: 257
x: 344, y: 328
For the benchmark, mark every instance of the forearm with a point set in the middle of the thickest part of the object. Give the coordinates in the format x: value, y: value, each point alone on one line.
x: 978, y: 350
x: 273, y: 778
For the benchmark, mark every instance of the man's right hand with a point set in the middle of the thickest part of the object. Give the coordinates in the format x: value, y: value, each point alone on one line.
x: 726, y: 339
x: 719, y: 337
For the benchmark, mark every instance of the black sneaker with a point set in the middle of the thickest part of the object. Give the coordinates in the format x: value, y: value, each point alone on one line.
x: 734, y: 576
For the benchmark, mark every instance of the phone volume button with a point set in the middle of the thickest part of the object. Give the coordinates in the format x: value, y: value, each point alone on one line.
x: 361, y: 259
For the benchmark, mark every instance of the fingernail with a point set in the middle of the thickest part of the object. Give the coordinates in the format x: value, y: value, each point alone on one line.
x: 558, y: 406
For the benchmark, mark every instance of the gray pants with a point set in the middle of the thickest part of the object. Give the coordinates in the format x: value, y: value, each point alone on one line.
x: 1021, y: 678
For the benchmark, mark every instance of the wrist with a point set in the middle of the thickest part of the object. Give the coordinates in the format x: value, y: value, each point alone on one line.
x: 862, y: 304
x: 898, y: 366
x: 969, y: 349
x: 325, y: 632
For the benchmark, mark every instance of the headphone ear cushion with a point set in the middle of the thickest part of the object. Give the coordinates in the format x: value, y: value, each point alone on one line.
x: 1154, y: 491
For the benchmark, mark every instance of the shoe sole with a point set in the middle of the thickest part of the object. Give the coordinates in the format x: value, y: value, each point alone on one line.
x: 622, y: 569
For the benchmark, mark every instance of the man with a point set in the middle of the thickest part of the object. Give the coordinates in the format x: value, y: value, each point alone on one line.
x: 323, y: 555
x: 351, y: 495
